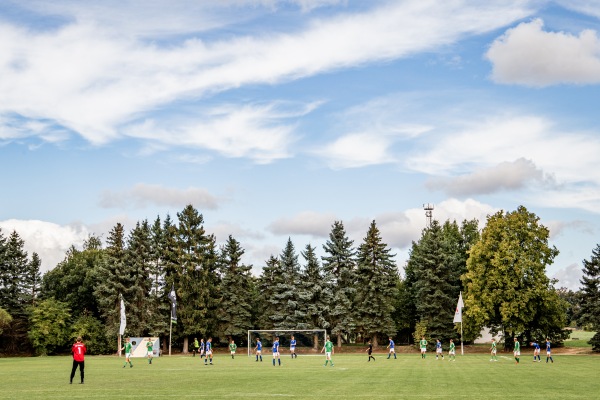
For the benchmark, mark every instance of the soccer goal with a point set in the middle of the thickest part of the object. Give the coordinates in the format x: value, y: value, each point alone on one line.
x: 308, y: 341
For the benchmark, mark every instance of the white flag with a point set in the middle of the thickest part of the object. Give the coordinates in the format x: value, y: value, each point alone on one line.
x: 459, y: 307
x: 123, y: 318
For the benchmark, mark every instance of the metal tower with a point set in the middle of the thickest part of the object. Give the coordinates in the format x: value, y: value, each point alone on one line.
x: 428, y: 213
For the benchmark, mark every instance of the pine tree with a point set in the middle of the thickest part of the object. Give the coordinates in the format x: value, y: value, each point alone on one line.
x: 317, y: 297
x: 32, y: 279
x: 590, y: 292
x: 286, y: 292
x: 266, y: 283
x: 114, y: 280
x: 377, y: 279
x: 138, y: 260
x: 237, y: 290
x: 340, y: 274
x: 13, y: 292
x: 159, y: 311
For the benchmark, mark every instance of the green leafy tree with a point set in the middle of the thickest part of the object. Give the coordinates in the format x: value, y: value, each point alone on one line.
x: 590, y: 296
x: 377, y: 279
x: 235, y: 316
x: 5, y: 320
x: 506, y: 287
x: 49, y: 329
x: 339, y: 265
x: 93, y: 333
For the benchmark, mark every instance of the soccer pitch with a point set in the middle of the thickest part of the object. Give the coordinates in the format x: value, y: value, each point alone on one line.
x: 352, y: 377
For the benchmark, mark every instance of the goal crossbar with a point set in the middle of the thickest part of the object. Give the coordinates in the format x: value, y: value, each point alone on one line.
x: 279, y: 331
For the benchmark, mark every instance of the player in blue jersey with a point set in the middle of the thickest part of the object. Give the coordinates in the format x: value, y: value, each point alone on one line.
x: 208, y: 351
x: 438, y: 349
x: 202, y: 348
x: 293, y: 347
x: 536, y: 351
x: 258, y: 349
x: 548, y: 351
x: 276, y: 351
x: 392, y: 349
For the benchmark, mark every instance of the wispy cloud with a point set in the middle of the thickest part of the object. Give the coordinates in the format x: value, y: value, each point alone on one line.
x: 528, y: 55
x: 143, y: 195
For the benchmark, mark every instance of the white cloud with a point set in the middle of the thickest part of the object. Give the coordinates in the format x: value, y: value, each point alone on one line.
x: 304, y: 223
x: 222, y: 230
x: 569, y: 277
x: 142, y: 195
x: 558, y: 228
x: 504, y: 176
x: 51, y: 241
x: 99, y: 72
x: 528, y: 55
x: 589, y: 7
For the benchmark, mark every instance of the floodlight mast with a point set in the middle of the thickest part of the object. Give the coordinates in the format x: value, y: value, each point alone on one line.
x: 277, y: 331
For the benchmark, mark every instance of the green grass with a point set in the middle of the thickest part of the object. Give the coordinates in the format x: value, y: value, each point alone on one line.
x: 408, y: 377
x: 583, y: 337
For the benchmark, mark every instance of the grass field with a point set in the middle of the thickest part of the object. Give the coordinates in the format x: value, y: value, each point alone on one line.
x: 579, y: 339
x: 408, y: 377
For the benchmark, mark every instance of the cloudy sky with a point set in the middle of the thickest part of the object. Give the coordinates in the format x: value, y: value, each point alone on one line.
x: 275, y: 118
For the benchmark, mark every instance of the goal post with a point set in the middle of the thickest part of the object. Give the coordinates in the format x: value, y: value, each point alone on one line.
x: 306, y: 338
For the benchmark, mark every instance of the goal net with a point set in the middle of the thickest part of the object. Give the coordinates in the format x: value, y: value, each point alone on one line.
x: 308, y: 341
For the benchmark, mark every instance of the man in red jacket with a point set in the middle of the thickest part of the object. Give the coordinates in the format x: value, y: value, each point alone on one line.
x: 78, y: 351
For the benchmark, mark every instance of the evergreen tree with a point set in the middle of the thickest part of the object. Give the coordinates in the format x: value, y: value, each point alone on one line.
x: 114, y: 280
x: 590, y: 293
x: 377, y: 279
x: 286, y: 298
x: 340, y: 273
x: 138, y: 261
x: 32, y: 279
x: 266, y: 283
x: 237, y: 291
x: 13, y: 268
x: 159, y: 306
x: 317, y: 294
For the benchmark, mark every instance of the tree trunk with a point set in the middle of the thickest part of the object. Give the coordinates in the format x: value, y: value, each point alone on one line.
x: 374, y: 341
x: 185, y: 345
x: 316, y: 341
x: 339, y: 340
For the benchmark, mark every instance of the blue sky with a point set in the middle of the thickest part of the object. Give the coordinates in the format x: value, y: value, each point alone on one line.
x: 276, y: 118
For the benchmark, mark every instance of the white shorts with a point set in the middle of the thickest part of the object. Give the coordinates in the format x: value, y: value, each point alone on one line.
x: 536, y: 352
x: 150, y: 353
x: 548, y: 352
x: 328, y: 355
x: 232, y: 351
x: 452, y: 352
x: 438, y: 350
x: 423, y: 349
x: 202, y: 352
x: 258, y: 352
x: 275, y: 354
x: 494, y: 352
x: 209, y: 353
x: 127, y: 355
x: 517, y: 353
x: 292, y: 349
x: 392, y: 350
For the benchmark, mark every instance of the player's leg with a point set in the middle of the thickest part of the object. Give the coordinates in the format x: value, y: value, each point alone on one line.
x: 81, y: 368
x: 73, y: 371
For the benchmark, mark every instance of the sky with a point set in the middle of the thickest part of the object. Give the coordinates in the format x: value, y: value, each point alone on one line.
x: 275, y: 118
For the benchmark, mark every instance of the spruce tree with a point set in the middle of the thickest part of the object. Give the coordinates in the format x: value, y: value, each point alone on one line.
x: 266, y: 283
x: 138, y: 261
x: 340, y: 274
x: 377, y: 279
x: 590, y: 293
x: 287, y: 299
x: 159, y: 312
x: 237, y: 290
x: 32, y: 279
x: 317, y: 296
x: 13, y: 290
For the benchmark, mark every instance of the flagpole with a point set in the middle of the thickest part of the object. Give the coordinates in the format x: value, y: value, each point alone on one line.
x: 170, y: 328
x: 119, y: 344
x: 462, y: 352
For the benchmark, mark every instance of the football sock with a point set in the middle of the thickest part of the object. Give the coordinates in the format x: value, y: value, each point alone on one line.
x: 279, y: 360
x: 273, y: 362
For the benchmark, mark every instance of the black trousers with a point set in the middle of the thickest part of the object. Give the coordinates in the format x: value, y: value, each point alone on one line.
x: 81, y: 365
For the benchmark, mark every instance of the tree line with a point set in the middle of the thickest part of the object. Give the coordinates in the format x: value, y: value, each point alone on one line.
x: 356, y: 292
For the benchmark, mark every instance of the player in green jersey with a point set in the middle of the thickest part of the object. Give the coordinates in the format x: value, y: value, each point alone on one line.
x: 232, y: 348
x: 196, y: 347
x: 452, y: 351
x: 423, y: 346
x: 517, y: 351
x: 328, y: 349
x: 150, y: 350
x: 127, y: 348
x: 493, y: 351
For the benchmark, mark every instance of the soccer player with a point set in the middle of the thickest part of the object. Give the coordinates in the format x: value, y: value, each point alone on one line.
x: 423, y: 346
x: 517, y: 351
x: 452, y: 351
x: 196, y: 347
x: 150, y: 350
x: 202, y: 348
x: 258, y: 349
x: 208, y: 351
x: 127, y: 348
x: 328, y: 349
x: 536, y: 351
x: 548, y: 351
x: 370, y: 351
x: 293, y: 347
x: 493, y: 351
x: 392, y: 349
x: 232, y: 348
x: 78, y: 350
x: 276, y: 351
x: 438, y: 349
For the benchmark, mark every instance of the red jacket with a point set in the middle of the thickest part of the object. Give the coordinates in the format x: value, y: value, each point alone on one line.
x: 78, y: 351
